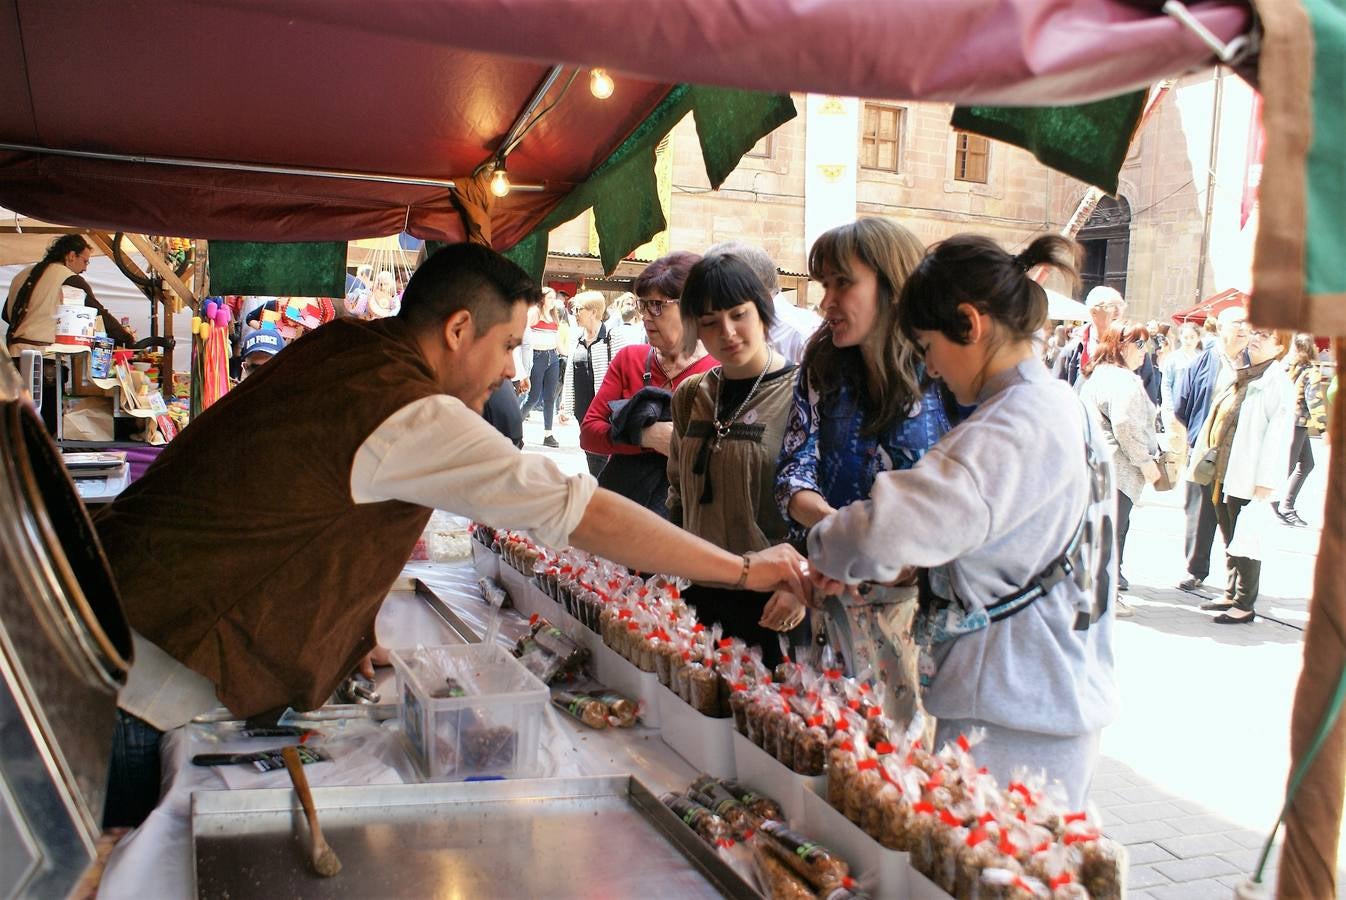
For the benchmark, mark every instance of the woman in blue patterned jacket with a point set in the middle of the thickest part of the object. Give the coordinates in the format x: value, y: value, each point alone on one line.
x: 861, y: 406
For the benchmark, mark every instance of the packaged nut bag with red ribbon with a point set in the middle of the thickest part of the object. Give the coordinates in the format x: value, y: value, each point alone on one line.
x: 984, y: 848
x: 842, y: 756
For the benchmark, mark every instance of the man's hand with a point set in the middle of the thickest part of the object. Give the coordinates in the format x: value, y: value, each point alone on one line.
x: 778, y: 568
x: 521, y: 386
x: 1261, y: 493
x: 783, y: 612
x: 379, y: 656
x: 1149, y: 470
x: 657, y: 437
x: 565, y: 419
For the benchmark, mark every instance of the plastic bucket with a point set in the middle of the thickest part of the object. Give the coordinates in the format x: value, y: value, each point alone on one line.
x: 74, y: 325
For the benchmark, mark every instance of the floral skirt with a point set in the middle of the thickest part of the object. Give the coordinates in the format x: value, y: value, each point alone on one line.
x: 874, y: 636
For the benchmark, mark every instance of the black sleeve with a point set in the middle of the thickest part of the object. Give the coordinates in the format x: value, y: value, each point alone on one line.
x: 111, y: 326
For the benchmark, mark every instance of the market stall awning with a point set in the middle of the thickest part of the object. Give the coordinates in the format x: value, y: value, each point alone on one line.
x: 1211, y: 306
x: 1014, y: 52
x: 426, y: 90
x: 203, y: 82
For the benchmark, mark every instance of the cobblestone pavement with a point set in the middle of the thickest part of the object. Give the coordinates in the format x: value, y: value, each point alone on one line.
x: 1194, y: 769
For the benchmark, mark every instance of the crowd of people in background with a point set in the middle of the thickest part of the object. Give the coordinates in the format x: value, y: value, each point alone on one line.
x: 1230, y: 415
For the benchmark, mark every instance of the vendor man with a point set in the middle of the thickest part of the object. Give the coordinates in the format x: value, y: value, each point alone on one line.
x: 35, y: 294
x: 265, y: 604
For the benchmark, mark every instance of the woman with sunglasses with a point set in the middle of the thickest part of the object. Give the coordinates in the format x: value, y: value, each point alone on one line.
x: 1114, y: 390
x: 1247, y: 435
x: 637, y: 448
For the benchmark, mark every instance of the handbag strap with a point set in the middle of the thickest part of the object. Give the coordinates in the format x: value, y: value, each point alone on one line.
x: 649, y: 363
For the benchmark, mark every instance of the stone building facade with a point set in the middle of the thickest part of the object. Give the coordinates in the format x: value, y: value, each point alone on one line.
x: 903, y: 161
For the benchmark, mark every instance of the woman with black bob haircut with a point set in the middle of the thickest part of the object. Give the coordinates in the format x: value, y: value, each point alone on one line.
x: 1010, y: 514
x: 728, y: 424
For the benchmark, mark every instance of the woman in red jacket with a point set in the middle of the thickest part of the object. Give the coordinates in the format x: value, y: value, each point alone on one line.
x: 638, y: 456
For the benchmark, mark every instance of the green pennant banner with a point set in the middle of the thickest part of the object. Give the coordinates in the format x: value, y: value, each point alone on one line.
x: 623, y: 191
x: 278, y: 270
x: 1088, y: 142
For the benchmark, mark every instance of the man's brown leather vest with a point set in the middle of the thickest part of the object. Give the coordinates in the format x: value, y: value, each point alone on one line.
x: 240, y: 551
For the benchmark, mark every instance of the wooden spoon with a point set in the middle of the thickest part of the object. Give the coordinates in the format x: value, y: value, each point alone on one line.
x: 324, y: 858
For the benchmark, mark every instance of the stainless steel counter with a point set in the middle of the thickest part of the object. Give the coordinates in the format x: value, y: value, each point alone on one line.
x: 561, y: 837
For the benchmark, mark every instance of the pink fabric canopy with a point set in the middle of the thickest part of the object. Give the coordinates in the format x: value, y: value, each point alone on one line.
x: 428, y: 89
x: 1007, y: 52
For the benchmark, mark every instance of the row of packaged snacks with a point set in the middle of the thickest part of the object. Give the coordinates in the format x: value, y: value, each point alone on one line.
x: 964, y: 831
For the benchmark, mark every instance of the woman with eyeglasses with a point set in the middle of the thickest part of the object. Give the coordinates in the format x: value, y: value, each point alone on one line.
x: 1248, y: 434
x: 1116, y: 393
x: 643, y: 377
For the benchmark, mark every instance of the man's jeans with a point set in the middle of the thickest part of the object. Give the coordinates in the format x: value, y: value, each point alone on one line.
x: 133, y: 781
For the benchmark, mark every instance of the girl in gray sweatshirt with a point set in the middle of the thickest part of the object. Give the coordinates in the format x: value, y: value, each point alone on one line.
x: 990, y: 508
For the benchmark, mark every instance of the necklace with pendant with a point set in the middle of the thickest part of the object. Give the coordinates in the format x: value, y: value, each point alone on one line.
x: 722, y: 428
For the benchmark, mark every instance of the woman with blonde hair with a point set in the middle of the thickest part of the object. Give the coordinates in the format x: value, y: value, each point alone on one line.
x: 1242, y: 452
x: 588, y: 363
x: 861, y: 406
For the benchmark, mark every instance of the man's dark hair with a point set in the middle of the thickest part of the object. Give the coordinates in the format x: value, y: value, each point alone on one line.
x: 66, y: 243
x: 470, y: 277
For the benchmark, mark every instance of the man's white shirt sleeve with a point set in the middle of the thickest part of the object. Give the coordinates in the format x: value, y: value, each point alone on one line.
x: 438, y: 453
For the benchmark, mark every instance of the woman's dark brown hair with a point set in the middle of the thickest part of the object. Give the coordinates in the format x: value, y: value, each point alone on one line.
x: 892, y: 252
x: 972, y: 269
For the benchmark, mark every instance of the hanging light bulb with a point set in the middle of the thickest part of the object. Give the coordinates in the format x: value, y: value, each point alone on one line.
x: 500, y: 182
x: 600, y: 84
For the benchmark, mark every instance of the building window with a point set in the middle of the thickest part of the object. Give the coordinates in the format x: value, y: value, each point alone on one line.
x: 881, y: 139
x: 763, y: 149
x: 970, y: 155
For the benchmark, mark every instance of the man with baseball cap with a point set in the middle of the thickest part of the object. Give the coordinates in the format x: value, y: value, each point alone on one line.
x: 259, y: 347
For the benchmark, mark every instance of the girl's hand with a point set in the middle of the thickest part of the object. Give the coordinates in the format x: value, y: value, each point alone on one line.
x: 828, y: 587
x: 783, y: 612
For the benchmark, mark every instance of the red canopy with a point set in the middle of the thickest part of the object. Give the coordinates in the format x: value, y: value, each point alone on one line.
x: 1211, y: 306
x: 411, y: 88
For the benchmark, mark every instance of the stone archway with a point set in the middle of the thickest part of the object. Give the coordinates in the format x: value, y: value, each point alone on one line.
x: 1106, y: 239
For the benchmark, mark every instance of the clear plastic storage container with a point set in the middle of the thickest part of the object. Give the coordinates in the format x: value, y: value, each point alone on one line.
x: 470, y: 711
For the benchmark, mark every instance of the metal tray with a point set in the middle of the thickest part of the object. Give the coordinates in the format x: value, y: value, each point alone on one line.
x: 603, y: 836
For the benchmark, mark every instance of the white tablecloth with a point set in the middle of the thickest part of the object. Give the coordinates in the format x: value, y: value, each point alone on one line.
x: 155, y: 860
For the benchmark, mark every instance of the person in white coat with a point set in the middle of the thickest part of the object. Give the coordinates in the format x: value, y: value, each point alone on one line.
x: 1114, y: 390
x: 1248, y: 435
